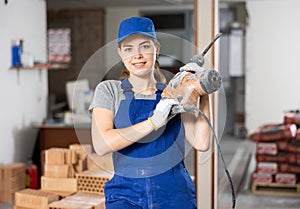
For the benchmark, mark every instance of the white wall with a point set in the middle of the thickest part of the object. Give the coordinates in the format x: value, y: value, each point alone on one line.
x: 24, y: 93
x: 272, y: 59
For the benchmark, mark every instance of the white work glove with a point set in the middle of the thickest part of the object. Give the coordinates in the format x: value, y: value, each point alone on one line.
x: 161, y: 113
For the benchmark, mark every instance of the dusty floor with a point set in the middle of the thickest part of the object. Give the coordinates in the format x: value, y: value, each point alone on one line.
x: 238, y: 154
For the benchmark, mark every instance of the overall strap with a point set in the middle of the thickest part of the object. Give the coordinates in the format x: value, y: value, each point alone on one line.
x: 160, y: 86
x: 126, y: 86
x: 129, y: 94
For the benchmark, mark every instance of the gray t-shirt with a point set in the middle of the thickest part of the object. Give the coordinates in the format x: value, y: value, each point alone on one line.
x: 108, y: 94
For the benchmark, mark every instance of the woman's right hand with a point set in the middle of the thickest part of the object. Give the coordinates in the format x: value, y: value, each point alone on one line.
x: 161, y: 113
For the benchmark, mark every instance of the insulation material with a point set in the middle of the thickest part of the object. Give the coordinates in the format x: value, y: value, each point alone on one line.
x: 288, y: 168
x: 282, y: 157
x: 298, y: 135
x: 267, y: 167
x: 289, y: 146
x: 286, y: 178
x: 292, y: 117
x: 277, y: 158
x: 266, y: 148
x: 262, y: 177
x: 274, y: 132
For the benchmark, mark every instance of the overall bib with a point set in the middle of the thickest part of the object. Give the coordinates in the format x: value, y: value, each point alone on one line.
x: 149, y: 174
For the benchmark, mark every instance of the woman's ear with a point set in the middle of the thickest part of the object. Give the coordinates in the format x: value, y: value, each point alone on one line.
x: 157, y: 48
x: 120, y: 54
x: 119, y: 51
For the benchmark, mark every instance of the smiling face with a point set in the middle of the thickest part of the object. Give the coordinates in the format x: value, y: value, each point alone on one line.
x: 138, y: 53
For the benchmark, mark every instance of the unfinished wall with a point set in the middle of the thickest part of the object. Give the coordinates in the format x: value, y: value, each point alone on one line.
x: 272, y: 59
x: 87, y: 36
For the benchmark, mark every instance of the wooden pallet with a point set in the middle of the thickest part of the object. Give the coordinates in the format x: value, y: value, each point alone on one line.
x: 275, y: 189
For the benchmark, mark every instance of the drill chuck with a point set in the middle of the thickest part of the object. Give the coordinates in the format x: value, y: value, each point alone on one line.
x: 210, y: 81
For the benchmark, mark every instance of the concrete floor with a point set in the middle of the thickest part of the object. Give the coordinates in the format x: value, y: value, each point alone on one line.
x: 238, y: 155
x: 6, y: 206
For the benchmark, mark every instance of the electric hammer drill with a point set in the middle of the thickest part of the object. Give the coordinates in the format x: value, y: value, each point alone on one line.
x: 186, y: 87
x: 191, y: 82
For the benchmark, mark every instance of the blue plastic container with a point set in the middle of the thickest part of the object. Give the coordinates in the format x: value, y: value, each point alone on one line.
x: 16, y: 51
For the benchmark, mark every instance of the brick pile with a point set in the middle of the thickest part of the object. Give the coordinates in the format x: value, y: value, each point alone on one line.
x: 67, y: 180
x: 278, y: 151
x: 12, y: 179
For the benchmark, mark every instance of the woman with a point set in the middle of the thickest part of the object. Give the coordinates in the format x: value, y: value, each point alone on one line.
x: 130, y: 120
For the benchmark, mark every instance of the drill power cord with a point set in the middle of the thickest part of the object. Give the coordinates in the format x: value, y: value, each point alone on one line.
x: 211, y: 81
x: 189, y: 108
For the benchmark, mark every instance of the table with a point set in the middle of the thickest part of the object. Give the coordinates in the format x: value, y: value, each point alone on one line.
x: 61, y: 136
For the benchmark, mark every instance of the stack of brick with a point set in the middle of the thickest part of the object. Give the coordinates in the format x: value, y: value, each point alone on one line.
x: 82, y: 152
x: 79, y: 201
x: 96, y: 162
x: 61, y: 166
x: 34, y: 199
x: 100, y: 170
x: 12, y: 179
x: 90, y: 181
x: 66, y: 183
x: 277, y: 153
x: 93, y: 182
x: 292, y: 146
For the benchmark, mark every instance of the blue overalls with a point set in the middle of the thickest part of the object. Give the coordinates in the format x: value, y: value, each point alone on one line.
x: 149, y: 174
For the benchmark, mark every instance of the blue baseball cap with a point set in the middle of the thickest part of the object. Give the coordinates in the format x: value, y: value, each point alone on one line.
x: 136, y: 25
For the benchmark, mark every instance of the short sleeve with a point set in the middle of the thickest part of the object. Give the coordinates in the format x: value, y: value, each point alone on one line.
x: 104, y: 96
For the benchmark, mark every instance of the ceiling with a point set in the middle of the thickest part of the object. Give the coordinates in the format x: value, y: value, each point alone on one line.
x: 63, y: 4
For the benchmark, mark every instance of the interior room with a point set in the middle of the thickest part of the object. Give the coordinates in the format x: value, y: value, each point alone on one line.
x: 54, y: 54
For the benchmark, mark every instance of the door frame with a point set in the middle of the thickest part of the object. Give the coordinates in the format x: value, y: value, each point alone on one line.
x: 206, y: 15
